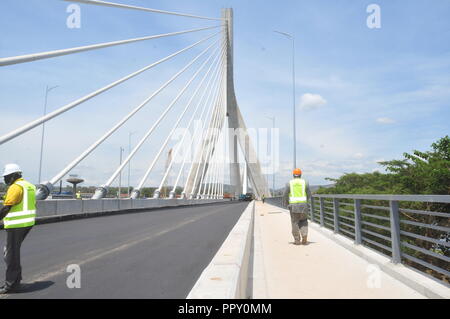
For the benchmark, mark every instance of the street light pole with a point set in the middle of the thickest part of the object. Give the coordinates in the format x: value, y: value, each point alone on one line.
x: 289, y: 36
x: 47, y: 89
x: 273, y: 154
x: 129, y: 163
x: 120, y: 176
x: 293, y: 103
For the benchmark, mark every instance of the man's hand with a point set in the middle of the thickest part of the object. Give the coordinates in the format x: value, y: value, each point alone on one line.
x: 4, y: 211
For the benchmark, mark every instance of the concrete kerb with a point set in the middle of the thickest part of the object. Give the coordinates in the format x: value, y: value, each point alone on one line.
x: 258, y: 279
x: 228, y: 274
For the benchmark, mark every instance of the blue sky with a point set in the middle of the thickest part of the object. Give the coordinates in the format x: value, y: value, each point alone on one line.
x: 368, y: 94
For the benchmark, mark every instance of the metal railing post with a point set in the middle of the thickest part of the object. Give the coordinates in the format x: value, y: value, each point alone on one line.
x: 395, y: 232
x: 358, y: 238
x: 321, y: 211
x: 336, y: 214
x: 311, y: 207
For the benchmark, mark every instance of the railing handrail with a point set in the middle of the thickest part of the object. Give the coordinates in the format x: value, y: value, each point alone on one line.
x: 404, y: 198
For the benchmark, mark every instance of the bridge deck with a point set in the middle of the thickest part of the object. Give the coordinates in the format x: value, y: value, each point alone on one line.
x: 322, y: 269
x: 152, y: 254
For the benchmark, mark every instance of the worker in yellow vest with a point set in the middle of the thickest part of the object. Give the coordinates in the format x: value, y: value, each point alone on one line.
x: 296, y: 195
x: 18, y: 214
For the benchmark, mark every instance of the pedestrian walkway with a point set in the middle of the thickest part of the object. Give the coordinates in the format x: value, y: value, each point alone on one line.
x: 321, y: 269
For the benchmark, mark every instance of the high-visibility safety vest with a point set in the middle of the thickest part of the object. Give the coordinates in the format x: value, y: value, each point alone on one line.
x: 22, y: 214
x: 297, y: 194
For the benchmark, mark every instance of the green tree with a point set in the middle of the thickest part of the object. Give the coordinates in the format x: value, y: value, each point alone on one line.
x: 416, y: 173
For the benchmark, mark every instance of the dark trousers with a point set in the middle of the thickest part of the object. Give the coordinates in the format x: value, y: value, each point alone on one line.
x: 11, y: 254
x: 299, y: 220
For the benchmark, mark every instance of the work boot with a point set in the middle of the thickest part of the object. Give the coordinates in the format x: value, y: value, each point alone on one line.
x: 304, y: 240
x: 6, y: 290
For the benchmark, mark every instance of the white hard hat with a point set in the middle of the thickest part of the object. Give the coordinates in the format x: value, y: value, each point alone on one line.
x: 11, y: 168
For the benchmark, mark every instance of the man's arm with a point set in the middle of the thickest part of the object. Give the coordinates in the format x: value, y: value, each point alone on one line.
x: 285, y: 199
x: 13, y: 197
x: 4, y: 211
x: 308, y: 192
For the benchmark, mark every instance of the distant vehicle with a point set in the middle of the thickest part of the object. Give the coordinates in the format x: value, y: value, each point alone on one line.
x: 242, y: 197
x: 248, y: 197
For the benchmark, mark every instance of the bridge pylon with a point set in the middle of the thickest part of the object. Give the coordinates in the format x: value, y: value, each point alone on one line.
x: 237, y: 129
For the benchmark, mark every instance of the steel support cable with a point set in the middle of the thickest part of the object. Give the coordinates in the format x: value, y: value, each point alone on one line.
x: 211, y: 177
x: 175, y: 153
x: 201, y: 149
x: 224, y: 166
x: 212, y: 171
x: 211, y: 145
x: 193, y: 138
x: 222, y: 179
x: 56, y: 53
x: 67, y: 107
x: 101, y: 192
x: 220, y: 142
x: 202, y: 137
x: 125, y: 6
x: 136, y: 191
x: 201, y: 134
x: 216, y: 176
x: 208, y: 140
x: 209, y: 88
x: 216, y: 187
x: 45, y: 188
x: 204, y: 154
x: 210, y: 151
x: 180, y: 171
x: 208, y: 136
x: 217, y: 184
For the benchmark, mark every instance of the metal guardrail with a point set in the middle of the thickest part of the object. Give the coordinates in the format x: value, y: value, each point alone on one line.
x: 415, y: 237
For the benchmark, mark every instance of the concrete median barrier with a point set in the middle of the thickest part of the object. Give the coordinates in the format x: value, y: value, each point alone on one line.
x: 228, y: 274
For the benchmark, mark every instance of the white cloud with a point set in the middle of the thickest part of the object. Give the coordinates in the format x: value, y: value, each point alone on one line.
x: 310, y: 101
x: 385, y: 120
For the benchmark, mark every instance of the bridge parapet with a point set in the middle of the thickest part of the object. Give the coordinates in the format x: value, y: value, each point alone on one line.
x: 60, y: 208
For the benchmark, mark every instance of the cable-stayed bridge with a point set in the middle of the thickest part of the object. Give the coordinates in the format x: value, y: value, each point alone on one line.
x: 164, y: 246
x: 212, y: 101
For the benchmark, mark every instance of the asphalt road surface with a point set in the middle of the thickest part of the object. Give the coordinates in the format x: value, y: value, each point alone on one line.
x: 153, y: 254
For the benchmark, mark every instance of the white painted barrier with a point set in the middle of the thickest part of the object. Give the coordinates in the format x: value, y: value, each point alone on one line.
x: 63, y: 208
x: 227, y: 276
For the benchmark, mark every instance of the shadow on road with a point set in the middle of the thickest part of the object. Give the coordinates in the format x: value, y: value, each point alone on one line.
x: 35, y: 286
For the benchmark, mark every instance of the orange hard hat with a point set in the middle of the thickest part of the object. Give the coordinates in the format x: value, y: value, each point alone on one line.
x: 297, y: 171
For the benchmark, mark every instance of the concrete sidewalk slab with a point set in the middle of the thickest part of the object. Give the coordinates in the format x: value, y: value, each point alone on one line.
x: 322, y: 269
